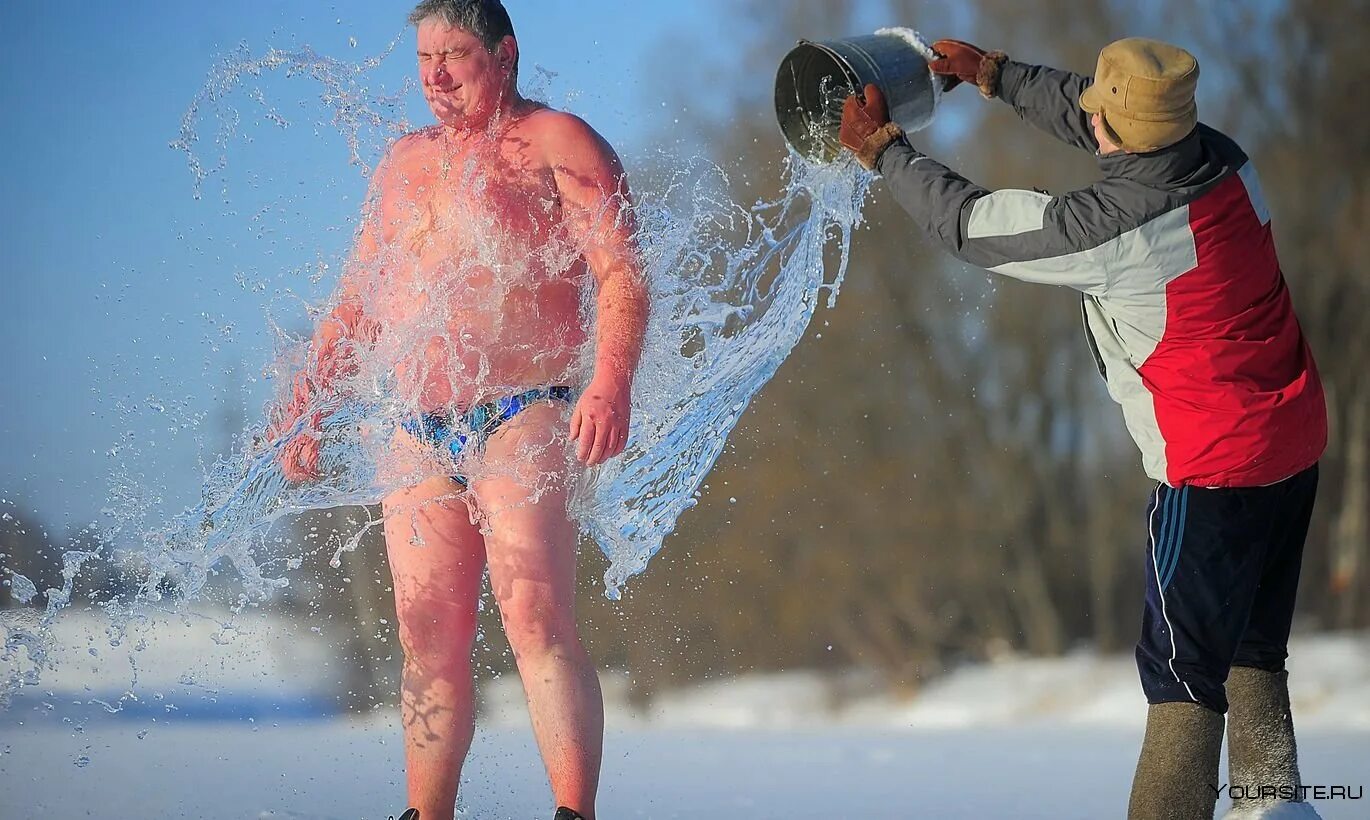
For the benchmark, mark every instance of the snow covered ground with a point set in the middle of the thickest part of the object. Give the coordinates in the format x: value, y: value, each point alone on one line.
x: 235, y: 726
x: 341, y: 769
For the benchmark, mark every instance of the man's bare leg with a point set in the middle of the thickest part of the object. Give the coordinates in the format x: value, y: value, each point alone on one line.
x: 531, y: 548
x: 437, y: 557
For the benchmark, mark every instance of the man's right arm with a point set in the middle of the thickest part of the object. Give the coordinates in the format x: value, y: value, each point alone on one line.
x: 329, y: 358
x: 1048, y: 99
x: 330, y: 355
x: 332, y: 349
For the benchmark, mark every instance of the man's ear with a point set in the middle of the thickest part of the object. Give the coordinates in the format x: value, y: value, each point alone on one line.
x: 1111, y: 134
x: 508, y: 52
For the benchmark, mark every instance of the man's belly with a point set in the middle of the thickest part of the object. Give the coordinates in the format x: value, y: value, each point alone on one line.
x: 479, y: 358
x: 471, y: 320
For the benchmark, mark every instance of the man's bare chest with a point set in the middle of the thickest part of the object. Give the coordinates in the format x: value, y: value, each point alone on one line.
x: 491, y: 197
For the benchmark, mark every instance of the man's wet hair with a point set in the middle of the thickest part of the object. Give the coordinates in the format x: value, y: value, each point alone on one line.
x: 487, y: 20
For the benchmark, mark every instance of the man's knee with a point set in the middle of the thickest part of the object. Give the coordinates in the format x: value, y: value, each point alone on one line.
x: 1258, y: 651
x: 536, y: 627
x: 437, y: 635
x: 1164, y: 681
x: 1272, y: 661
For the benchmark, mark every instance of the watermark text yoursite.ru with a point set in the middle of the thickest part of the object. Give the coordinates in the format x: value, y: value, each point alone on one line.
x: 1287, y: 792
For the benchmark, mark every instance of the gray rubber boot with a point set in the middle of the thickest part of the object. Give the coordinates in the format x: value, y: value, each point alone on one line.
x: 1177, y: 772
x: 1261, y: 753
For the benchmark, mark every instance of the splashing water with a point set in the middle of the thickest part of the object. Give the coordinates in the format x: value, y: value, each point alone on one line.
x: 355, y: 116
x: 725, y: 315
x: 732, y: 290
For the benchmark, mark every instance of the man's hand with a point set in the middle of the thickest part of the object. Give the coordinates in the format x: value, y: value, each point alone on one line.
x: 599, y: 424
x: 299, y: 458
x: 959, y: 62
x: 862, y: 116
x: 866, y: 128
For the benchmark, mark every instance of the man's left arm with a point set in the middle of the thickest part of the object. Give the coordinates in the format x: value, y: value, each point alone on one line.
x: 1028, y: 235
x: 597, y: 208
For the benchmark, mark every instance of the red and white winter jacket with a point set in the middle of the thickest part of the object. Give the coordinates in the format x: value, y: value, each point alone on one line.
x: 1185, y: 306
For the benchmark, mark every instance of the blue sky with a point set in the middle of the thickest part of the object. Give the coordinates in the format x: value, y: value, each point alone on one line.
x: 136, y: 313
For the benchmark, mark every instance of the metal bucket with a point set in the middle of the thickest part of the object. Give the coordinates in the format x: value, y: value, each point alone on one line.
x: 816, y: 77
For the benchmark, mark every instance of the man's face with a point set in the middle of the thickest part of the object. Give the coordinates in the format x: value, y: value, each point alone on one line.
x: 1106, y: 144
x: 462, y: 81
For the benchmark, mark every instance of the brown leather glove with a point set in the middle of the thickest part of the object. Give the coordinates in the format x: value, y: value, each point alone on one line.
x: 961, y: 62
x: 866, y: 128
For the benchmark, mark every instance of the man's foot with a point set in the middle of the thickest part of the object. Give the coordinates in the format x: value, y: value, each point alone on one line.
x: 564, y: 813
x: 410, y: 814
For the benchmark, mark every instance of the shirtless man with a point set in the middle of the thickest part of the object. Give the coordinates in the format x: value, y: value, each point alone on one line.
x: 482, y: 233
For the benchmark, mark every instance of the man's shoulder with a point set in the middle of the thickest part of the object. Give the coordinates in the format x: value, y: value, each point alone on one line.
x: 1217, y: 142
x: 413, y: 141
x: 418, y: 137
x: 561, y: 133
x: 551, y: 124
x: 573, y: 151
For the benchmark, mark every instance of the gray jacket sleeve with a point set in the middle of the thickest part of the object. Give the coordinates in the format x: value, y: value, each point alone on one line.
x: 1049, y: 99
x: 1024, y: 234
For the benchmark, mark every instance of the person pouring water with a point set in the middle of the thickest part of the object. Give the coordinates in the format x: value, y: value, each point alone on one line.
x: 1190, y: 321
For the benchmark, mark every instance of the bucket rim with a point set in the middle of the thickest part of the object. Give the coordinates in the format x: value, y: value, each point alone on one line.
x: 848, y: 73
